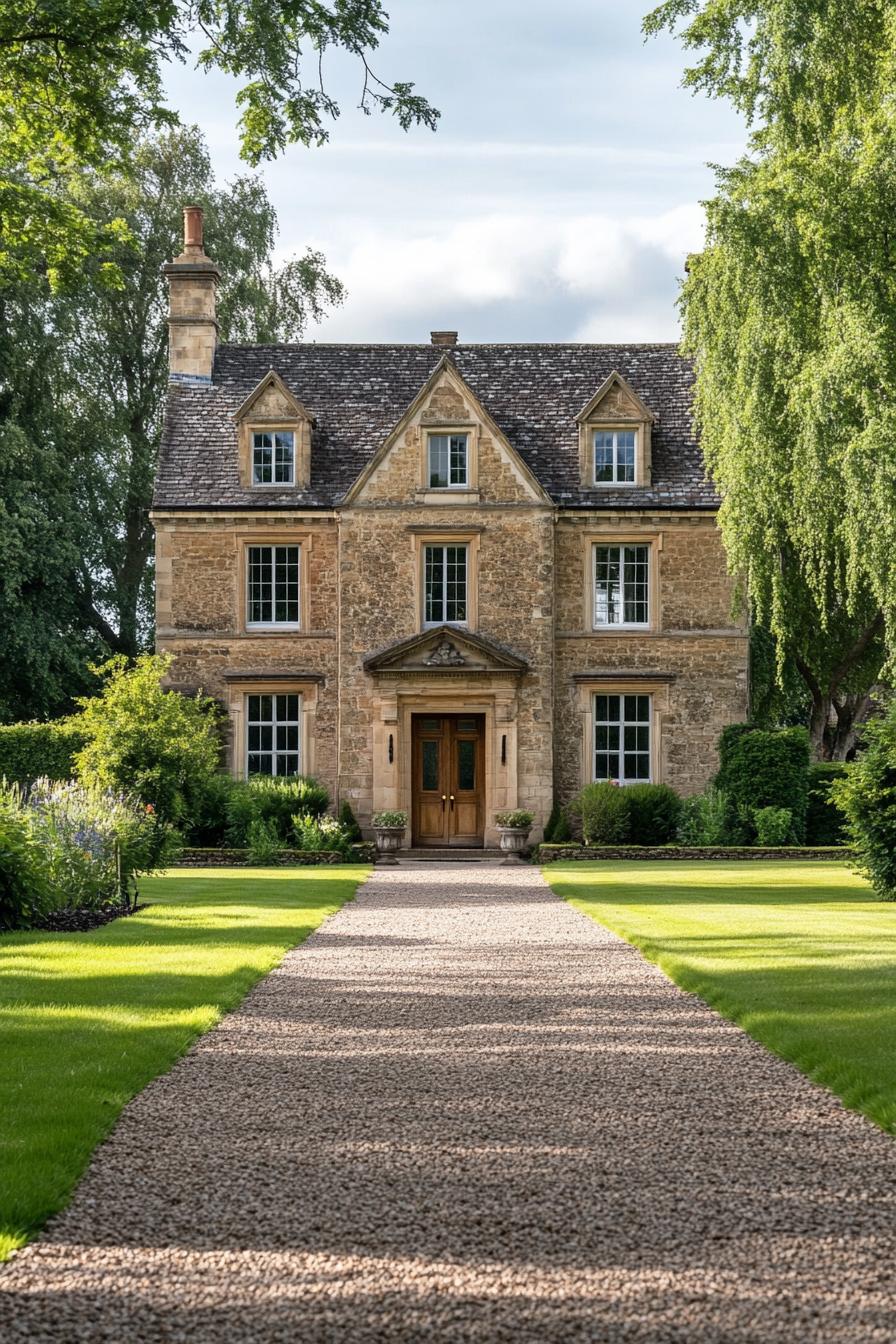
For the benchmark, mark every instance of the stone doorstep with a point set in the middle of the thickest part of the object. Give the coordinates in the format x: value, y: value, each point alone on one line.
x: 414, y: 856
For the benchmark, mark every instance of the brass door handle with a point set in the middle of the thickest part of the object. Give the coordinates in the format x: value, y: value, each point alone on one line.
x: 452, y: 802
x: 444, y: 801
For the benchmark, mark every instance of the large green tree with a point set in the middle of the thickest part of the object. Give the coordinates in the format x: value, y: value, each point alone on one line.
x: 81, y: 82
x: 790, y: 315
x: 83, y: 374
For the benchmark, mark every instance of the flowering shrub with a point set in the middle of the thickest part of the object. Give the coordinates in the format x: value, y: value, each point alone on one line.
x: 68, y: 847
x: 320, y: 833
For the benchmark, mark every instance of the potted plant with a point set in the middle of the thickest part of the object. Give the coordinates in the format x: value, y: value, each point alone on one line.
x: 514, y: 828
x: 389, y: 828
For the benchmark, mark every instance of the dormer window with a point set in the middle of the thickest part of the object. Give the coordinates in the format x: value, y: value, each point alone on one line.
x: 446, y: 463
x: 273, y: 457
x: 614, y: 456
x: 615, y: 433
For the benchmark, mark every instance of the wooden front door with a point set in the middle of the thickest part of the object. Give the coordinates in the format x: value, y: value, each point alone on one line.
x: 449, y: 779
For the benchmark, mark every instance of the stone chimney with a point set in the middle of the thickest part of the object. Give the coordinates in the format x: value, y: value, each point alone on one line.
x: 443, y: 337
x: 192, y: 287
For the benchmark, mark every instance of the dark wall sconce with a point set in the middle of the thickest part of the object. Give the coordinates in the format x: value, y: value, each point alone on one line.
x: 503, y: 748
x: 391, y: 748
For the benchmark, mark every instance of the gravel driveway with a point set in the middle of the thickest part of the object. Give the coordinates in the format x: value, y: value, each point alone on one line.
x: 461, y: 1111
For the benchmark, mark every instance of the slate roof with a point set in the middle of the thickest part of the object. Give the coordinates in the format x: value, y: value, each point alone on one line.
x: 357, y: 394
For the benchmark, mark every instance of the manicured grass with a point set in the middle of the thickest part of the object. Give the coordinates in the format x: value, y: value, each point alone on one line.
x: 799, y: 954
x: 88, y: 1019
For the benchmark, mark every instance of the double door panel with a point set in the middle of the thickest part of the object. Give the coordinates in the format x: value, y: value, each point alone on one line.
x: 449, y: 780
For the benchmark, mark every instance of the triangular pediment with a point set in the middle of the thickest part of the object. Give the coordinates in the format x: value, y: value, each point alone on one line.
x: 271, y: 400
x: 447, y: 399
x: 446, y: 648
x: 615, y: 399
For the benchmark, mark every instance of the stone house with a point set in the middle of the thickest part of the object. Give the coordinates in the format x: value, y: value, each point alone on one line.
x: 445, y: 578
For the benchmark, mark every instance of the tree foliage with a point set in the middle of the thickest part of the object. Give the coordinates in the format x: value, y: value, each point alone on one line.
x: 790, y: 315
x: 144, y: 740
x: 81, y: 82
x: 82, y: 387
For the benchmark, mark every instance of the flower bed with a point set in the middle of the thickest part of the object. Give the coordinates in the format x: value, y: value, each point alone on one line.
x: 551, y: 853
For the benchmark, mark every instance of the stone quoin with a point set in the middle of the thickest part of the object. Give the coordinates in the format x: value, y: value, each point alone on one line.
x: 445, y: 579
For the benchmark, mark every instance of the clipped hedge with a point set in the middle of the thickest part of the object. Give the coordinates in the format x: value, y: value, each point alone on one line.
x: 30, y: 751
x: 763, y: 768
x: 654, y: 811
x: 825, y: 823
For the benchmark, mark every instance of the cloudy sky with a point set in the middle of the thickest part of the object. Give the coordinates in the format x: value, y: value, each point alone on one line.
x: 556, y: 201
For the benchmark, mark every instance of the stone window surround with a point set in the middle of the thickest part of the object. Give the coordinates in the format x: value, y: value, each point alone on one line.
x: 615, y: 537
x: 451, y: 494
x: 656, y: 685
x: 301, y: 431
x: 447, y: 537
x: 587, y: 430
x: 237, y: 692
x: 304, y: 541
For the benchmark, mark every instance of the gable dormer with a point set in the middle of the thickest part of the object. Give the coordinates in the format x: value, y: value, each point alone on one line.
x: 447, y: 450
x: 274, y: 438
x: 615, y: 437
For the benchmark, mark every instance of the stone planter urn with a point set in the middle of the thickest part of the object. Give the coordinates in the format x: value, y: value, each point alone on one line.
x: 514, y: 828
x: 389, y: 828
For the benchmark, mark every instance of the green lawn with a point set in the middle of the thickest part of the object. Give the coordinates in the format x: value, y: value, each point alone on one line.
x: 799, y: 954
x: 87, y: 1020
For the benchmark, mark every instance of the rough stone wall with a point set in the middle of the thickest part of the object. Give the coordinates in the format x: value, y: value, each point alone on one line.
x: 200, y: 612
x: 695, y: 641
x: 379, y: 595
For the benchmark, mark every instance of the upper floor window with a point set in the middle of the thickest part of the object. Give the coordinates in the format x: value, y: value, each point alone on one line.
x: 273, y: 737
x: 446, y: 466
x: 273, y: 457
x: 445, y: 585
x: 614, y: 456
x: 621, y: 586
x: 622, y: 738
x: 272, y: 597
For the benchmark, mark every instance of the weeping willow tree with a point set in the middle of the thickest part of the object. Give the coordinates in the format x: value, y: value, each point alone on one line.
x: 790, y: 316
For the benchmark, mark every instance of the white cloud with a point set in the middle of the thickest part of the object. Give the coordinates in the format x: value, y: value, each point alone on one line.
x: 600, y: 276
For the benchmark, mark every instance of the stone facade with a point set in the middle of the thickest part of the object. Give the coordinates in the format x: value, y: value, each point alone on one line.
x: 529, y: 661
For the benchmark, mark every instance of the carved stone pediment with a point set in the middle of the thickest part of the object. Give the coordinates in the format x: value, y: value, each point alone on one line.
x: 446, y: 649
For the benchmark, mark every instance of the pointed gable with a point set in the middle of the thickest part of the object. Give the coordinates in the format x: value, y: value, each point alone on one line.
x: 446, y: 649
x: 446, y: 407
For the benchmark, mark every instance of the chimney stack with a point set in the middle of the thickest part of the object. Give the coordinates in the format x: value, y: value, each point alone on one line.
x: 192, y: 324
x: 443, y: 337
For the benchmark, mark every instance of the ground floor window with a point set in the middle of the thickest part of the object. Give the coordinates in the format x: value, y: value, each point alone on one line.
x: 622, y: 738
x: 273, y: 734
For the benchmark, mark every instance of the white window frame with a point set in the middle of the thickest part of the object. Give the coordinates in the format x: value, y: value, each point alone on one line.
x: 615, y: 479
x: 444, y: 547
x: 621, y: 547
x: 621, y: 723
x: 273, y: 484
x: 275, y: 723
x: 451, y: 485
x: 273, y: 547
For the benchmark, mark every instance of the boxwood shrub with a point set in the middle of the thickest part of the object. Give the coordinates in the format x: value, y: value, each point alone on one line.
x: 30, y: 751
x: 763, y: 768
x: 604, y: 809
x: 825, y: 822
x: 654, y: 813
x: 867, y: 795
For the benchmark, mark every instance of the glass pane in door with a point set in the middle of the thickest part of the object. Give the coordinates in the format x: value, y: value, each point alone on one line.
x: 466, y: 765
x: 430, y: 766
